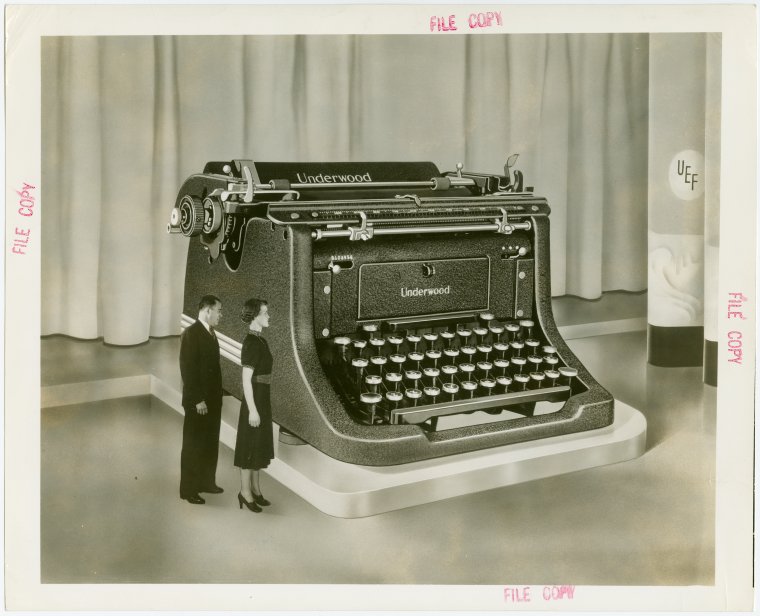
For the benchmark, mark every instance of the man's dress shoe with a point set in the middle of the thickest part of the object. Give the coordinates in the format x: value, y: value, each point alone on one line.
x: 194, y: 499
x: 213, y: 490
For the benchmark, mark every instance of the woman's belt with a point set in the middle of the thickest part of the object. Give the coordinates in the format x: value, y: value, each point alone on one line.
x: 265, y: 379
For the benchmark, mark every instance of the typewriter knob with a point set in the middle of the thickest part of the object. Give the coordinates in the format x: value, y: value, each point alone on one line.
x: 416, y: 356
x: 394, y: 378
x: 470, y: 386
x: 451, y: 352
x: 535, y: 361
x: 513, y: 328
x: 549, y: 350
x: 519, y: 362
x: 467, y: 368
x: 212, y: 215
x: 487, y: 316
x: 469, y: 351
x: 191, y: 216
x: 517, y: 347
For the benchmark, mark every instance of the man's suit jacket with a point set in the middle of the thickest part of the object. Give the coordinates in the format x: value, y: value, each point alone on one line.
x: 199, y: 366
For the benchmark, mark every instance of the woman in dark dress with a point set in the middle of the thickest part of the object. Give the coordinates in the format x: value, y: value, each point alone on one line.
x: 254, y: 446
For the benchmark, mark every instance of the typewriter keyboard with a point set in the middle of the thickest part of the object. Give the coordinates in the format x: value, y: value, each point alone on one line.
x: 417, y: 375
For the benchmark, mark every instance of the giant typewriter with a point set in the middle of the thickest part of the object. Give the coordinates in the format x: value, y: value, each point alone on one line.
x: 411, y: 309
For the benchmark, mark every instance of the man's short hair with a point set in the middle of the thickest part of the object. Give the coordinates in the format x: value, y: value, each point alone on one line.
x: 208, y: 301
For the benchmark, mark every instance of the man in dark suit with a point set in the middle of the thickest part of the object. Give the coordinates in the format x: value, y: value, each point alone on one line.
x: 202, y: 402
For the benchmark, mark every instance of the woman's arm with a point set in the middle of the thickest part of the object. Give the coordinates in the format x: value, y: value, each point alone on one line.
x: 253, y: 415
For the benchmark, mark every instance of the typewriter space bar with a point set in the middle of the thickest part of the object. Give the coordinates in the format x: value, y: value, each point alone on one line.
x: 418, y: 414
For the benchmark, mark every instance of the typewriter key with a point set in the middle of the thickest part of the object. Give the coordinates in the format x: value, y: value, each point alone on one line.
x: 485, y: 367
x: 413, y: 339
x: 414, y: 376
x: 470, y: 386
x: 370, y: 328
x: 395, y: 340
x: 501, y: 348
x: 372, y: 381
x: 393, y: 378
x: 464, y: 335
x: 431, y: 337
x: 551, y: 360
x: 488, y: 384
x: 522, y: 380
x: 378, y: 343
x: 502, y: 365
x: 552, y: 375
x: 519, y: 362
x: 370, y: 400
x: 533, y: 344
x: 512, y: 328
x: 535, y: 361
x: 452, y: 389
x: 413, y: 394
x: 359, y: 345
x: 537, y: 378
x: 448, y: 336
x: 398, y: 359
x: 469, y: 351
x: 497, y: 330
x: 517, y: 347
x: 467, y: 369
x: 432, y: 392
x: 451, y: 352
x: 434, y: 355
x: 432, y: 374
x: 378, y: 361
x: 394, y: 397
x: 485, y: 349
x: 481, y: 333
x: 487, y: 316
x: 416, y: 356
x: 360, y: 364
x: 549, y: 350
x: 450, y: 370
x: 569, y: 373
x: 342, y: 342
x: 504, y: 381
x: 527, y: 324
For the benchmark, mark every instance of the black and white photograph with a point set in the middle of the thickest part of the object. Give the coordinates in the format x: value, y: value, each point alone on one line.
x: 397, y: 307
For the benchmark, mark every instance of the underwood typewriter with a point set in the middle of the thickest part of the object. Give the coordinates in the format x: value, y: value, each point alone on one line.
x: 411, y: 309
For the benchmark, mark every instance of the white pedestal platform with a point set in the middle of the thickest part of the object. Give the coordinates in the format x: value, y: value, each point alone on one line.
x: 352, y: 491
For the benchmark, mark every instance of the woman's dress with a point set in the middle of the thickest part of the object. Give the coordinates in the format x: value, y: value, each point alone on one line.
x: 254, y: 447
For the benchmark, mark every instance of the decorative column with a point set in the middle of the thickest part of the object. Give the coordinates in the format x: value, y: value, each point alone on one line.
x: 712, y: 205
x: 676, y: 199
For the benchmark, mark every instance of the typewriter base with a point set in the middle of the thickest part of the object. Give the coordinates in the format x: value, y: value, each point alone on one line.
x: 351, y: 491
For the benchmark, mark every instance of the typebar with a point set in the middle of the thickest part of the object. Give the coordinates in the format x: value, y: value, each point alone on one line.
x: 420, y: 414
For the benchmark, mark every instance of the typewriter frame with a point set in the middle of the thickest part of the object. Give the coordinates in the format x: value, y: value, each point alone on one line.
x: 276, y: 264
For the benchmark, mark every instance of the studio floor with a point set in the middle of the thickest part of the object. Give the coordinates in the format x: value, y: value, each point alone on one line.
x: 111, y: 512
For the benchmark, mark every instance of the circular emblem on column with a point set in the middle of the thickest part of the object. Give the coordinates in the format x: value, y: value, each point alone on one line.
x: 687, y: 175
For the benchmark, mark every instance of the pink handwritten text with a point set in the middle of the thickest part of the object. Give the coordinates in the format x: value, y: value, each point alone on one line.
x: 26, y: 204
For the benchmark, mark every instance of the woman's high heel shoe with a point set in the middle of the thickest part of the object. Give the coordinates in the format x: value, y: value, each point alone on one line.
x: 251, y: 505
x: 260, y: 500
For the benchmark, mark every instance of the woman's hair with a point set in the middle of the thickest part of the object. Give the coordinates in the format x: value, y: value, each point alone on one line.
x: 251, y: 310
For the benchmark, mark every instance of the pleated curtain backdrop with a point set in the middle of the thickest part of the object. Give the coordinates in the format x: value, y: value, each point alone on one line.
x: 126, y: 119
